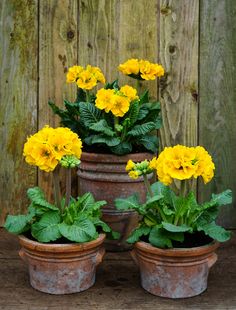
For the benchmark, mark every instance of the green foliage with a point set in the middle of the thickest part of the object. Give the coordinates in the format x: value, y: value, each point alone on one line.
x: 98, y: 129
x: 167, y: 218
x: 79, y: 222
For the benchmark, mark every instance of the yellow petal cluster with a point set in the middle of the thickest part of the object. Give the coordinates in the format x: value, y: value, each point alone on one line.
x: 46, y: 148
x: 142, y: 69
x: 181, y: 162
x: 116, y: 101
x: 85, y: 78
x: 138, y: 169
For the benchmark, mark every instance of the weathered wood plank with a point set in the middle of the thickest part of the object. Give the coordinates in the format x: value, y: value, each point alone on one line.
x: 57, y: 51
x: 179, y: 55
x: 217, y: 113
x: 117, y: 286
x: 18, y: 99
x: 99, y: 35
x: 138, y: 36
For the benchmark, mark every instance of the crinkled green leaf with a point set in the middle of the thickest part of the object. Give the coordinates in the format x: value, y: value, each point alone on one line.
x: 89, y: 114
x: 215, y: 232
x: 17, y: 224
x: 150, y: 142
x: 122, y: 148
x: 175, y: 228
x: 143, y: 129
x: 130, y: 203
x: 36, y: 195
x: 159, y: 238
x: 138, y: 233
x: 102, y: 127
x: 83, y: 231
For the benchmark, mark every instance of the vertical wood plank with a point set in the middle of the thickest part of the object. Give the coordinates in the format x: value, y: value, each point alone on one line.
x: 138, y: 36
x: 18, y: 99
x: 99, y: 35
x: 217, y: 130
x: 179, y: 89
x: 57, y: 51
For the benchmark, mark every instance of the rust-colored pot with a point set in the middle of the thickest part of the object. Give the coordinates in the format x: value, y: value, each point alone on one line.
x: 62, y: 268
x: 105, y: 177
x: 174, y: 273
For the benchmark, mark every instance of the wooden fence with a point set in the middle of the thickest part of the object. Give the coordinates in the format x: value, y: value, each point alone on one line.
x: 195, y: 40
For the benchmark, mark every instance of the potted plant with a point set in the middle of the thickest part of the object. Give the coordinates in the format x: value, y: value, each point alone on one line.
x: 177, y: 237
x: 61, y: 242
x: 115, y: 124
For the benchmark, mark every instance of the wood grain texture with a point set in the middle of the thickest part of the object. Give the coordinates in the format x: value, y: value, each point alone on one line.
x: 138, y: 36
x: 18, y: 100
x: 99, y: 35
x: 57, y: 52
x: 179, y: 88
x: 217, y: 130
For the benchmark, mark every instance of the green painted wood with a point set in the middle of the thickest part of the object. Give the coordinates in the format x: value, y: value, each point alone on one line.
x: 179, y: 88
x: 18, y: 100
x: 57, y: 52
x: 217, y: 111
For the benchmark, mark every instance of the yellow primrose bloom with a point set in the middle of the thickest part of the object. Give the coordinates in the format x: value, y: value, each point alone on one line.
x: 133, y: 174
x: 86, y: 80
x: 73, y: 74
x: 149, y: 71
x: 120, y: 105
x: 153, y: 163
x: 130, y: 165
x: 97, y: 73
x: 46, y: 148
x: 129, y: 92
x: 131, y: 66
x: 204, y: 164
x: 104, y: 99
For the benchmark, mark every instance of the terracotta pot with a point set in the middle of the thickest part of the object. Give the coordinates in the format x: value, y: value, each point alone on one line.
x: 105, y: 177
x: 174, y: 273
x: 62, y: 268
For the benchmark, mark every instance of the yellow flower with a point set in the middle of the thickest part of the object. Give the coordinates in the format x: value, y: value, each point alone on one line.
x: 97, y: 73
x: 129, y: 92
x: 104, y: 99
x: 120, y: 105
x: 150, y: 71
x: 131, y: 66
x: 204, y: 164
x: 86, y: 80
x: 73, y: 74
x: 130, y: 165
x: 133, y: 174
x: 46, y: 148
x: 153, y: 163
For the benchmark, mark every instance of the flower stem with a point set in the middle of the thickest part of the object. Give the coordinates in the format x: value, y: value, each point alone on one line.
x: 138, y: 86
x: 68, y: 186
x: 116, y: 122
x: 57, y: 191
x: 147, y: 184
x: 87, y: 96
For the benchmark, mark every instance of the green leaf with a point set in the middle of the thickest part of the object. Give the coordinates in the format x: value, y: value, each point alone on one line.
x: 102, y: 127
x: 113, y: 85
x: 17, y: 224
x: 81, y: 95
x: 56, y: 110
x: 36, y: 195
x: 159, y: 238
x: 140, y: 130
x: 133, y: 113
x: 47, y: 229
x: 103, y: 225
x: 215, y: 232
x: 167, y: 211
x: 223, y: 198
x: 159, y: 188
x: 89, y: 114
x: 153, y: 200
x: 72, y: 108
x: 137, y: 233
x: 110, y: 141
x: 122, y: 148
x: 173, y: 228
x: 144, y: 97
x: 149, y: 142
x: 130, y: 203
x: 83, y: 231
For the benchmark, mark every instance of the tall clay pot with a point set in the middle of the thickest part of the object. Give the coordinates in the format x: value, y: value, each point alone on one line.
x: 104, y: 175
x: 174, y: 273
x: 62, y: 268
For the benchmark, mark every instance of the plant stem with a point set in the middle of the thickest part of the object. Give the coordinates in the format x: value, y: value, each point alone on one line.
x: 116, y: 122
x: 138, y: 85
x: 57, y: 191
x: 68, y: 186
x: 87, y: 96
x: 148, y: 186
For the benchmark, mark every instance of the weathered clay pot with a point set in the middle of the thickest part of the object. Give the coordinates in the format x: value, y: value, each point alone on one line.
x: 174, y: 273
x: 105, y: 177
x: 62, y: 268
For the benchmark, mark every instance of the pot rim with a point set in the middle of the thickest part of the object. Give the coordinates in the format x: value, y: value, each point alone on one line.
x: 60, y: 247
x: 177, y: 252
x: 108, y: 158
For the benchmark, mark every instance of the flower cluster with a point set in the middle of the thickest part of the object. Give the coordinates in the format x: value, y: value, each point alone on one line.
x: 141, y: 69
x: 116, y: 101
x: 137, y: 169
x: 181, y: 162
x: 85, y: 78
x: 47, y: 147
